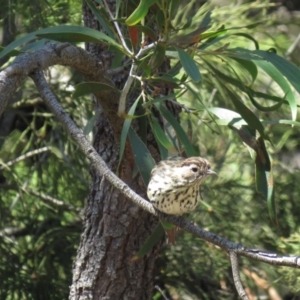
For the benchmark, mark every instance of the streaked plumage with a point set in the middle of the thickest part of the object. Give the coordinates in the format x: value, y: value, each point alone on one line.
x: 174, y: 187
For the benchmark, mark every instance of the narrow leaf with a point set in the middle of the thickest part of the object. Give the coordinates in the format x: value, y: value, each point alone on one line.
x: 160, y: 135
x: 134, y: 35
x: 281, y: 81
x: 158, y: 55
x: 90, y: 125
x: 140, y: 12
x: 248, y: 65
x: 189, y: 65
x: 246, y: 114
x: 286, y: 68
x: 151, y: 241
x: 99, y: 13
x: 125, y: 130
x: 75, y: 34
x: 182, y: 136
x: 9, y: 49
x: 87, y: 88
x: 143, y: 159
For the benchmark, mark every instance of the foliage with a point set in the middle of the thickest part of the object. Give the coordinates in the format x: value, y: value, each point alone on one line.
x: 230, y: 90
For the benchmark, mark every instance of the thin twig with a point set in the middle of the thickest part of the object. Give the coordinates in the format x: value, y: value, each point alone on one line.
x: 125, y: 91
x: 236, y: 275
x: 129, y: 81
x: 102, y: 169
x: 52, y: 200
x: 24, y: 156
x: 118, y: 29
x: 293, y: 46
x: 211, y: 98
x: 161, y: 292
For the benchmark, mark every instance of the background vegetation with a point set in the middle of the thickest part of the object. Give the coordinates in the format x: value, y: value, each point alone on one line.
x: 41, y: 196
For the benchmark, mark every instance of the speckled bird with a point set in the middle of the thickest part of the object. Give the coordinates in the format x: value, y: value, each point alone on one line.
x: 174, y: 187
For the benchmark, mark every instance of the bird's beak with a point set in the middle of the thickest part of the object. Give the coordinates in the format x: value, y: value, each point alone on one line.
x: 211, y: 172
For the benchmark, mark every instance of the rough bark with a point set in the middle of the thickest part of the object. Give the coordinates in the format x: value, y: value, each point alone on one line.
x: 114, y: 227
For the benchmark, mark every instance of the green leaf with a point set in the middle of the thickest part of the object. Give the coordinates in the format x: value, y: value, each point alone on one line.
x: 143, y: 159
x: 173, y: 7
x: 229, y: 117
x: 263, y: 108
x: 187, y: 145
x: 251, y: 93
x: 64, y: 33
x: 99, y: 13
x: 90, y: 125
x: 159, y: 134
x: 166, y: 80
x: 125, y: 130
x: 248, y: 36
x: 87, y: 88
x: 147, y: 30
x: 12, y: 53
x: 140, y: 12
x: 189, y: 65
x: 151, y: 241
x: 264, y: 179
x: 286, y: 68
x: 247, y: 114
x: 76, y: 34
x: 281, y: 81
x: 247, y: 65
x: 10, y: 49
x: 223, y: 113
x: 158, y: 56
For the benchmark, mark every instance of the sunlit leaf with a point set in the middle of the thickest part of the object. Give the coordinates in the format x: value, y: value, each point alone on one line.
x: 140, y: 12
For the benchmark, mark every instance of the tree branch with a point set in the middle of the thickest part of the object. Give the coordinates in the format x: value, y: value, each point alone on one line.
x: 53, y: 200
x: 236, y: 275
x: 103, y: 170
x: 50, y: 55
x: 24, y: 156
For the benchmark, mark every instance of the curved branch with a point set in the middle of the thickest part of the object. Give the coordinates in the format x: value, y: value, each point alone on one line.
x: 103, y: 170
x: 236, y: 275
x: 64, y: 54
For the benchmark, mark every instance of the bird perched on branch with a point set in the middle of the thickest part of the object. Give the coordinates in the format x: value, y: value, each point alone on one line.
x: 174, y: 187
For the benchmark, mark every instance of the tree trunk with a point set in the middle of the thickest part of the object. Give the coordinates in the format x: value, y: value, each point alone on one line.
x: 114, y: 228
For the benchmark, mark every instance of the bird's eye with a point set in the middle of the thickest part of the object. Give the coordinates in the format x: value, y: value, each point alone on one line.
x: 195, y: 170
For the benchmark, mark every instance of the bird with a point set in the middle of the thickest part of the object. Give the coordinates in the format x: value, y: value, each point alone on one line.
x: 174, y: 186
